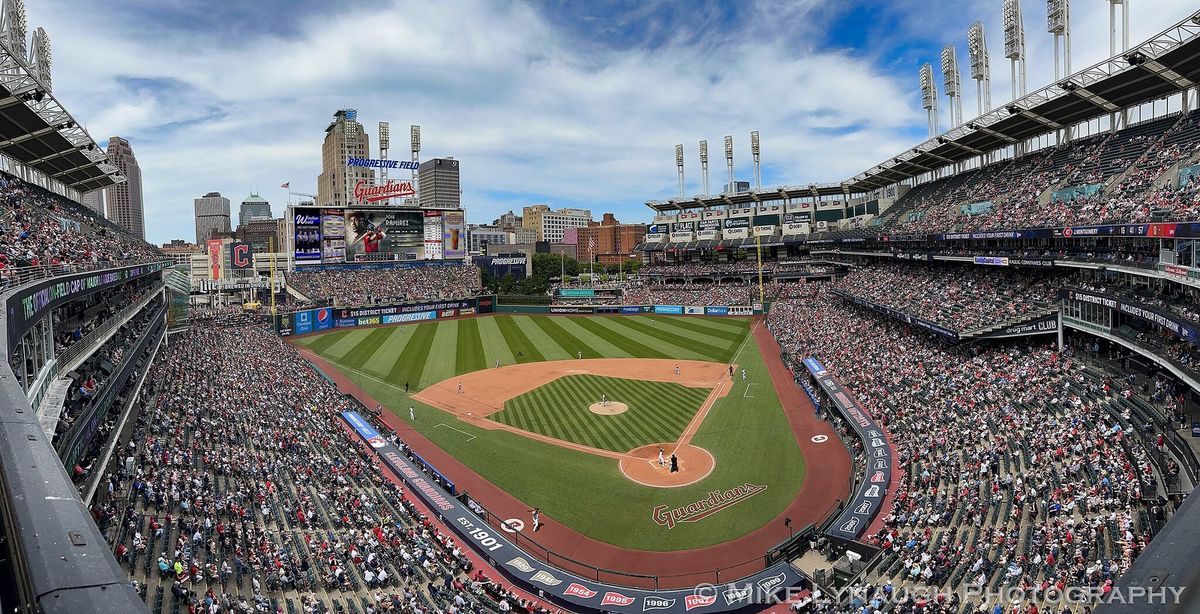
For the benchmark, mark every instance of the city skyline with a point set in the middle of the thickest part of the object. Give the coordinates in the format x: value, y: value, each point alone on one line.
x: 594, y: 128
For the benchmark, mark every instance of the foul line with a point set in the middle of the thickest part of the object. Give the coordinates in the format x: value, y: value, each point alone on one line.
x: 443, y: 424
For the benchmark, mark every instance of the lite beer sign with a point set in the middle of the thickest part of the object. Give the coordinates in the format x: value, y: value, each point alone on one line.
x: 375, y: 193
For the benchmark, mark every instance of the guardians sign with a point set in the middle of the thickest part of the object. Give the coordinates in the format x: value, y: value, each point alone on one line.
x: 696, y: 511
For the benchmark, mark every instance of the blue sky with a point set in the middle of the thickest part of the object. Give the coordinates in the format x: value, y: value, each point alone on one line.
x: 558, y: 101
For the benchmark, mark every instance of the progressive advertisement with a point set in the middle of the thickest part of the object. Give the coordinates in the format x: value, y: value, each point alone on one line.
x: 384, y: 234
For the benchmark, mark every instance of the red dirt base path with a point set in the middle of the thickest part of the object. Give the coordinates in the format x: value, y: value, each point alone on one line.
x: 826, y: 482
x: 641, y: 465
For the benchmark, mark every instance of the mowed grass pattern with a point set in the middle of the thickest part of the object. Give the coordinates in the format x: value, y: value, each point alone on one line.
x: 658, y: 411
x: 426, y: 353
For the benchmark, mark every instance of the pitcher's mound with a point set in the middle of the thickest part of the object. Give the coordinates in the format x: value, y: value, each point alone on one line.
x: 613, y: 408
x: 641, y: 465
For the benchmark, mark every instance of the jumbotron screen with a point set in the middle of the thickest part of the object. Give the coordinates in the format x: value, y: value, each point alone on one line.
x: 325, y: 235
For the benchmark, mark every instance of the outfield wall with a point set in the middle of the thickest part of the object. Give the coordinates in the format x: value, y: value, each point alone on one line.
x: 328, y: 318
x: 678, y: 310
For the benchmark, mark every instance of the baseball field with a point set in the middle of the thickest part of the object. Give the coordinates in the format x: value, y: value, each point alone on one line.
x: 569, y: 414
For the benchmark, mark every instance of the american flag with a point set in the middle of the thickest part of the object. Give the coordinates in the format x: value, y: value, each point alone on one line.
x: 286, y: 185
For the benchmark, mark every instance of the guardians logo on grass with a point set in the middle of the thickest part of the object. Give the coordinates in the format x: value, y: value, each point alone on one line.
x: 716, y: 501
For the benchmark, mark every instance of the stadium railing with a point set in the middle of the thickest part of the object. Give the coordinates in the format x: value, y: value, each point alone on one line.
x: 53, y: 558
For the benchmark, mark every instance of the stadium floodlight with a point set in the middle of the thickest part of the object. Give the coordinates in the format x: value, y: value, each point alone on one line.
x: 1014, y: 45
x: 414, y: 132
x: 384, y: 136
x: 754, y: 151
x: 729, y: 158
x: 14, y: 27
x: 39, y: 59
x: 679, y: 167
x: 704, y: 164
x: 929, y: 97
x: 981, y: 70
x: 384, y: 142
x: 951, y: 81
x: 1058, y: 23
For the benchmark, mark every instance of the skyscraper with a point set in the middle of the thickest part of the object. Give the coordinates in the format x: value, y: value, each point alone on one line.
x: 254, y: 207
x: 212, y: 216
x: 344, y: 138
x: 125, y: 199
x: 437, y: 180
x: 94, y: 200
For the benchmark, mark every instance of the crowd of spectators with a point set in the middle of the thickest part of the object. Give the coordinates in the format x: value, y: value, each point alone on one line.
x: 379, y: 286
x: 957, y: 296
x: 240, y: 490
x: 38, y: 228
x: 1016, y: 189
x: 735, y: 268
x: 1020, y: 467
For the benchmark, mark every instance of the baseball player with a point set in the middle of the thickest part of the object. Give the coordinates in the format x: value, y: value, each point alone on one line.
x: 743, y: 375
x: 604, y: 400
x: 497, y: 363
x: 412, y: 413
x: 537, y: 518
x: 579, y: 355
x: 661, y: 461
x: 676, y: 368
x: 460, y: 388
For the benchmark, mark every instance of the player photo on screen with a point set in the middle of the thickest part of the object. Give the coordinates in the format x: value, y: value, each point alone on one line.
x: 384, y: 234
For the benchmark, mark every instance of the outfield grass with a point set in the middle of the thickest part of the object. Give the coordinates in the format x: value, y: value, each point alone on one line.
x: 658, y: 411
x: 570, y: 486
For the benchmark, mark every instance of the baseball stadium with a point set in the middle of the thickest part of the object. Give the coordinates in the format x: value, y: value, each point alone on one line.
x: 964, y: 379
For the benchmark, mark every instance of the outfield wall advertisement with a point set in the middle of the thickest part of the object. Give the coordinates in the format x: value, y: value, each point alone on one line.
x: 576, y: 592
x: 325, y: 318
x: 867, y: 500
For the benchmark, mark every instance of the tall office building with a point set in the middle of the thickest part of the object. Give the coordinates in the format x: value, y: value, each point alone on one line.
x: 549, y: 224
x: 437, y: 184
x: 212, y: 216
x: 94, y: 200
x: 254, y: 207
x: 345, y: 138
x: 124, y: 200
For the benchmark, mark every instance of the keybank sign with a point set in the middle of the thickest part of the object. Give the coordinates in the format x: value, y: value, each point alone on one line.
x: 372, y: 163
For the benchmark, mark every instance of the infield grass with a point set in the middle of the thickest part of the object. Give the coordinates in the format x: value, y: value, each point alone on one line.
x: 747, y: 434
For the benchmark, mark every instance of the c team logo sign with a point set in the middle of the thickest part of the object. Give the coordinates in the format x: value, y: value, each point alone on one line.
x: 696, y: 511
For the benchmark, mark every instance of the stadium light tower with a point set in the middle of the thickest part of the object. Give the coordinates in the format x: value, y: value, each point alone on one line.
x: 414, y: 133
x: 679, y: 167
x: 729, y: 159
x: 1014, y: 45
x: 384, y: 141
x: 1058, y: 23
x: 929, y: 97
x: 981, y: 70
x: 952, y: 81
x: 754, y: 150
x: 704, y: 164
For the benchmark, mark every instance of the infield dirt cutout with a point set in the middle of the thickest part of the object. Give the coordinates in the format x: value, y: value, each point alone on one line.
x: 475, y: 396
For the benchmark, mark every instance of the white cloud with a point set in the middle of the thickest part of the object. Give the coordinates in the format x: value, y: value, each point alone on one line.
x: 532, y: 114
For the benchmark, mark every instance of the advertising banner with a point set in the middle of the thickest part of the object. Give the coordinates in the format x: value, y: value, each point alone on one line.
x: 504, y: 264
x: 716, y: 311
x: 693, y: 310
x: 1181, y: 328
x: 358, y: 312
x: 669, y: 309
x: 384, y: 234
x: 570, y: 309
x: 1039, y: 326
x: 631, y: 309
x: 433, y: 235
x: 735, y: 223
x: 576, y: 293
x: 797, y: 218
x: 410, y: 317
x: 454, y: 238
x: 991, y: 260
x: 323, y: 319
x: 284, y: 324
x: 563, y: 587
x: 306, y: 235
x: 333, y: 235
x: 372, y: 193
x: 302, y: 321
x: 215, y: 255
x: 866, y: 502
